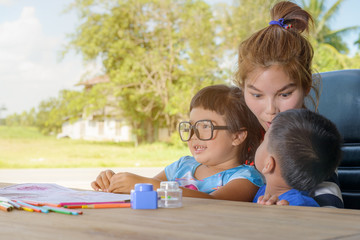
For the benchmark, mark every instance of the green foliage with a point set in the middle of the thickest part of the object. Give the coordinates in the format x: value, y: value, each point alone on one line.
x: 53, y: 112
x: 23, y: 119
x: 327, y: 58
x: 330, y: 49
x: 241, y: 19
x: 175, y: 141
x: 322, y: 32
x: 155, y: 53
x: 159, y: 53
x: 354, y: 62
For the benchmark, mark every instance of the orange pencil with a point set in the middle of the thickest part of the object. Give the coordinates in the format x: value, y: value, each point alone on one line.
x: 109, y: 205
x: 5, y: 208
x: 32, y: 203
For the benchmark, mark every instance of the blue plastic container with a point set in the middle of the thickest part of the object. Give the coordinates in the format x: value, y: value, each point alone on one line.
x: 144, y: 197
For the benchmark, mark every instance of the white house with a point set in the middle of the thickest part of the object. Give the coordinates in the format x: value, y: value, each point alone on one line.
x: 96, y: 128
x: 109, y: 129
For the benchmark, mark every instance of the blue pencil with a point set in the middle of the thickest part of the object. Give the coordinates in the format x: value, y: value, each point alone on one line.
x: 38, y: 209
x: 14, y: 204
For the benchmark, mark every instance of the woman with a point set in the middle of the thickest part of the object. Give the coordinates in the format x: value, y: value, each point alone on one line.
x: 274, y: 70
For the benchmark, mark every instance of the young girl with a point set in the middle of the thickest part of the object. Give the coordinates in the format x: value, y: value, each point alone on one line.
x: 274, y: 71
x: 222, y: 135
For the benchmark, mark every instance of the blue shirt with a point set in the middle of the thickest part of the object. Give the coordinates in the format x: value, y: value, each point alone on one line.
x: 293, y: 196
x: 183, y: 170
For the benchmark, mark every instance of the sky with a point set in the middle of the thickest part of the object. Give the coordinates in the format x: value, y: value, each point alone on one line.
x: 34, y: 32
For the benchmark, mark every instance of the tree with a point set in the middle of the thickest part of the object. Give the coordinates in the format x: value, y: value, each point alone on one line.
x: 330, y: 49
x: 322, y: 32
x: 241, y: 19
x: 12, y: 120
x: 53, y: 112
x: 24, y: 119
x: 157, y: 53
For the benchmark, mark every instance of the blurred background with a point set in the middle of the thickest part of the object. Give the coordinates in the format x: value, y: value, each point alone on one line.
x: 100, y: 84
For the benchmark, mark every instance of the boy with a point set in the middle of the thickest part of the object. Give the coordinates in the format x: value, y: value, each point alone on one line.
x: 300, y: 150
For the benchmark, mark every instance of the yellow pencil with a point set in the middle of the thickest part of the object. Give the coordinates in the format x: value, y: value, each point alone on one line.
x: 27, y: 209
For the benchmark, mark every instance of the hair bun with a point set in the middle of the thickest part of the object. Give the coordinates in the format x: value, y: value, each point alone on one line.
x: 292, y: 14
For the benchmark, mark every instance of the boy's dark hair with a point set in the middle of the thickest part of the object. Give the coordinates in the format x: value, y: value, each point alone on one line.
x: 229, y: 102
x: 307, y: 147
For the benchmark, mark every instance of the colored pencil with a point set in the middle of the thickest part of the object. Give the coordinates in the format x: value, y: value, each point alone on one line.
x: 27, y: 209
x: 62, y: 210
x: 73, y: 206
x: 5, y: 207
x: 36, y: 209
x: 87, y: 203
x: 32, y: 203
x: 14, y: 204
x: 41, y: 203
x: 6, y: 204
x: 109, y: 205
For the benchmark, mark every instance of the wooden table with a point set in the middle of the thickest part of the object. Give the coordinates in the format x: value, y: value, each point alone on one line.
x: 197, y: 219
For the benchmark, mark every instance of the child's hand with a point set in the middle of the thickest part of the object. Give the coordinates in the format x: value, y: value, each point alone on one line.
x: 123, y: 182
x: 102, y: 181
x: 267, y: 199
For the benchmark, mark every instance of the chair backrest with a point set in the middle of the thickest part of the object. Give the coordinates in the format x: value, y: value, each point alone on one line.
x: 340, y: 102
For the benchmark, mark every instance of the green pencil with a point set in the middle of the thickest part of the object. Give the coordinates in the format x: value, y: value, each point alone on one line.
x: 62, y: 210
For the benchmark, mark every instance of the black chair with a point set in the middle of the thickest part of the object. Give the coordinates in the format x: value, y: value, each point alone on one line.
x: 340, y: 102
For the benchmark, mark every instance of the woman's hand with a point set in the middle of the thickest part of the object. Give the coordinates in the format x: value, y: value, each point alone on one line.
x: 267, y: 199
x: 102, y: 181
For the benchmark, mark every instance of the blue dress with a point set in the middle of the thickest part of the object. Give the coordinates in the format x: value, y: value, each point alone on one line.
x: 293, y: 196
x: 182, y: 171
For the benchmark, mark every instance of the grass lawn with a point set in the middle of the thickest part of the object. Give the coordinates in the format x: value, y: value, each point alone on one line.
x: 27, y: 148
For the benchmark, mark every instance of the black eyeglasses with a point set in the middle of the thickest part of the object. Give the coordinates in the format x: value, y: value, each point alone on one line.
x: 203, y: 129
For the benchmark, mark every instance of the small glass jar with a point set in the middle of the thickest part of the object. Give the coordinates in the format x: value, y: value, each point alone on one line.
x: 169, y: 195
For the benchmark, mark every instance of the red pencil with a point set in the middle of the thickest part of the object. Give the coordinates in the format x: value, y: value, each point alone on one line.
x: 41, y: 203
x: 73, y: 206
x: 88, y: 203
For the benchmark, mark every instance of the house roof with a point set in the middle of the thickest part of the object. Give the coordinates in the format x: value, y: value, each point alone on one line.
x: 95, y: 80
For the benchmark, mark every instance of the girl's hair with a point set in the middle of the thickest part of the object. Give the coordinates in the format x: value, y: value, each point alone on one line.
x: 229, y: 102
x: 281, y: 45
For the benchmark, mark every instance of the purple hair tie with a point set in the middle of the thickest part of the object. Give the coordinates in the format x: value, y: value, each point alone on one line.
x: 281, y: 23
